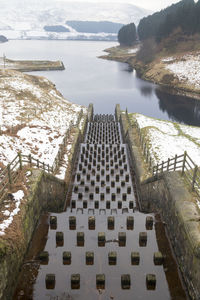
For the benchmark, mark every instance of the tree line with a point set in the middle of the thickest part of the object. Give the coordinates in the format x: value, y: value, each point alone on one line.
x: 184, y: 15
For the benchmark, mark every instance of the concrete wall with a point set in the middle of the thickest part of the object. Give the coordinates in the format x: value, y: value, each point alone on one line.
x: 168, y: 194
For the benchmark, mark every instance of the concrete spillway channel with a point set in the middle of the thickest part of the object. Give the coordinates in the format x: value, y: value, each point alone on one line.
x: 102, y: 246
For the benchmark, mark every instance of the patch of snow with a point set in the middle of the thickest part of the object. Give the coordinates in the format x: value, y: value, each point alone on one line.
x: 192, y: 131
x: 133, y: 51
x: 187, y: 69
x: 28, y: 173
x: 18, y: 196
x: 168, y: 59
x: 164, y: 126
x: 167, y: 146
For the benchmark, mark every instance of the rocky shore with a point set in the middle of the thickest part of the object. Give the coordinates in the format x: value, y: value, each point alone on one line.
x: 179, y: 74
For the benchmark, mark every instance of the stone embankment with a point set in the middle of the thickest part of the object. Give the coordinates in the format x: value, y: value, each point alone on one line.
x: 31, y: 65
x: 169, y: 195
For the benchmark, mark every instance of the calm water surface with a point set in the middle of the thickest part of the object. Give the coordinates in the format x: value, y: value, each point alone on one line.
x: 89, y: 79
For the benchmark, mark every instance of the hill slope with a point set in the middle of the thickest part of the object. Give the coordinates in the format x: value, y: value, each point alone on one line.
x: 26, y: 20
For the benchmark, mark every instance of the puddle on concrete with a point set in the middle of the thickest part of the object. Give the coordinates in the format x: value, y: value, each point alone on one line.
x: 108, y: 237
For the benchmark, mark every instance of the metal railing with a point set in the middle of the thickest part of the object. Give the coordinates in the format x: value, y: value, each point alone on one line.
x: 182, y: 163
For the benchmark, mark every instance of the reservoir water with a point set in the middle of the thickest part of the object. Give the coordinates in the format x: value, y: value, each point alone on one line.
x: 89, y: 79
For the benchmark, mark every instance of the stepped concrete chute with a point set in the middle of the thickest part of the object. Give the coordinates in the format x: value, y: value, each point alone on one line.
x: 102, y: 246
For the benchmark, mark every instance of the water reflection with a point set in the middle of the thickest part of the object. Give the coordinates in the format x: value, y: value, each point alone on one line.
x: 179, y: 108
x: 146, y: 90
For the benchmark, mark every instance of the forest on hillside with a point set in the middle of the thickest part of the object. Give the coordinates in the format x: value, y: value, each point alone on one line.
x: 184, y: 15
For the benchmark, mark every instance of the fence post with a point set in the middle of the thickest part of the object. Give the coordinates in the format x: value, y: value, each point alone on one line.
x: 43, y: 166
x: 38, y: 163
x: 150, y: 163
x: 175, y: 161
x: 168, y: 164
x: 30, y: 159
x: 9, y: 174
x: 184, y: 160
x: 162, y: 166
x: 20, y: 160
x: 194, y: 177
x: 157, y: 169
x: 48, y: 168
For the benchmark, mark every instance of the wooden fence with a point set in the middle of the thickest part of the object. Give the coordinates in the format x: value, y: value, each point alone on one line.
x: 182, y: 163
x: 9, y: 174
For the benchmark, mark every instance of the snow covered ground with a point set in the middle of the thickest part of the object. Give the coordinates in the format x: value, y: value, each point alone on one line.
x: 166, y: 139
x: 33, y: 117
x: 186, y: 68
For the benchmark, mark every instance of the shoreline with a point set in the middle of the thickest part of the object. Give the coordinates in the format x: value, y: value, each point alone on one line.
x: 153, y: 72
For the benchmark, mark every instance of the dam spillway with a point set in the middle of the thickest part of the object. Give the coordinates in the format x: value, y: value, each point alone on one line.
x: 102, y: 246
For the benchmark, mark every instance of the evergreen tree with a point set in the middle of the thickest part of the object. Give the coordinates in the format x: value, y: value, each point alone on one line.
x: 162, y: 24
x: 127, y: 35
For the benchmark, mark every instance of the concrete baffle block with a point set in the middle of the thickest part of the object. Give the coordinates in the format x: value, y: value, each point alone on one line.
x: 107, y: 190
x: 80, y: 196
x: 85, y: 204
x: 151, y: 281
x: 80, y: 237
x: 131, y: 204
x: 113, y: 197
x: 96, y: 204
x: 122, y: 239
x: 101, y: 239
x: 158, y: 258
x: 76, y: 189
x: 91, y: 222
x: 125, y: 281
x: 124, y: 197
x: 44, y: 256
x: 149, y: 222
x: 111, y: 222
x: 142, y: 239
x: 112, y: 258
x: 129, y: 222
x: 107, y: 204
x: 118, y: 190
x: 53, y: 220
x: 102, y: 196
x: 135, y: 258
x: 50, y: 281
x: 72, y: 222
x: 89, y: 257
x: 100, y: 281
x: 59, y: 238
x: 75, y: 281
x: 73, y: 204
x: 119, y: 204
x: 67, y: 258
x: 129, y: 190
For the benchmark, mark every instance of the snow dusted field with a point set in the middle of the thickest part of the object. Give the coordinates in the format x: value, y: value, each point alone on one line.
x: 33, y: 119
x: 187, y: 68
x: 166, y: 139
